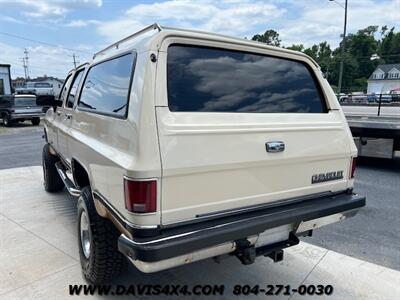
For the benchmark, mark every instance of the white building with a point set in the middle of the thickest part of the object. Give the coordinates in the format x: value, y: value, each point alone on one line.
x: 5, y: 80
x: 384, y: 79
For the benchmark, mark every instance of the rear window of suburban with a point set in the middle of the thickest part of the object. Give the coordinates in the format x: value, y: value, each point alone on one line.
x: 203, y: 79
x: 106, y: 86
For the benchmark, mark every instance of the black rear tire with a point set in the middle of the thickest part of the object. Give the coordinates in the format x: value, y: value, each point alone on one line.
x: 102, y: 262
x: 35, y: 121
x: 52, y: 180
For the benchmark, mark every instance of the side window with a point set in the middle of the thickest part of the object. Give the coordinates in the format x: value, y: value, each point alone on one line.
x: 74, y: 89
x: 106, y: 86
x: 64, y: 89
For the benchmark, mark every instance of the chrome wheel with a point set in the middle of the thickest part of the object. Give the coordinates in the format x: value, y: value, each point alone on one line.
x: 85, y: 234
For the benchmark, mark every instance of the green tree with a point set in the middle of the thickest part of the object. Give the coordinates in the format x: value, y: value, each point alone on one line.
x: 360, y: 47
x: 295, y: 47
x: 322, y: 54
x: 270, y: 37
x: 389, y: 48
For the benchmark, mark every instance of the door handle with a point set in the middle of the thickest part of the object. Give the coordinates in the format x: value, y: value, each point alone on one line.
x: 68, y: 116
x: 59, y: 113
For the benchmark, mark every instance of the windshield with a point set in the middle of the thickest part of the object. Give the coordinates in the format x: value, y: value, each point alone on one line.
x: 25, y: 101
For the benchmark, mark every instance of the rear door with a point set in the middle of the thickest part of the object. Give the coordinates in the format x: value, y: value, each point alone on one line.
x: 66, y: 116
x: 242, y: 129
x: 53, y: 117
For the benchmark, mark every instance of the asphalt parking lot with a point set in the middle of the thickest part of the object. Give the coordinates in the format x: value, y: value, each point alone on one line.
x: 349, y: 255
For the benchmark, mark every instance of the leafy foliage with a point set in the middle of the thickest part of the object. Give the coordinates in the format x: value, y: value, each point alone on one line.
x: 270, y: 37
x: 360, y: 47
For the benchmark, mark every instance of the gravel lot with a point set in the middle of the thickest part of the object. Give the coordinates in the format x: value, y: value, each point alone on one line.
x: 373, y: 235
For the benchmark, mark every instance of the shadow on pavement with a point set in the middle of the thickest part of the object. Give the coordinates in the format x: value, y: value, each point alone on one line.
x: 379, y: 163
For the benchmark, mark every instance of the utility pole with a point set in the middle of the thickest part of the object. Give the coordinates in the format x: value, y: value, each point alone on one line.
x: 24, y: 66
x: 26, y: 59
x: 343, y: 49
x: 74, y: 58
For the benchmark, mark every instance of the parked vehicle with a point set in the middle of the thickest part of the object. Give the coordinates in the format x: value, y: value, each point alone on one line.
x: 395, y: 93
x: 36, y: 88
x: 19, y: 108
x: 245, y: 151
x: 385, y: 98
x: 343, y: 98
x: 372, y: 98
x: 358, y: 97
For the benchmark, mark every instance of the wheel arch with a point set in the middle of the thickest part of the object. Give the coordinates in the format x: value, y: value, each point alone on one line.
x: 80, y: 174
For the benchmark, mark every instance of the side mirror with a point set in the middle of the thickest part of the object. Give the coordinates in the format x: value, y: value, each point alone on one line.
x: 48, y: 100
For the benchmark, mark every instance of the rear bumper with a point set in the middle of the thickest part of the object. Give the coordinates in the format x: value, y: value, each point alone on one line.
x: 27, y: 116
x: 186, y: 239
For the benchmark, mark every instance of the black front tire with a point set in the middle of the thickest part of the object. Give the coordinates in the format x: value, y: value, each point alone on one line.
x: 35, y: 121
x: 102, y: 261
x: 6, y: 121
x: 52, y: 180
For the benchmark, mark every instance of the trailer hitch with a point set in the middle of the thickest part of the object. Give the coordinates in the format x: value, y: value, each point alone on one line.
x: 245, y: 252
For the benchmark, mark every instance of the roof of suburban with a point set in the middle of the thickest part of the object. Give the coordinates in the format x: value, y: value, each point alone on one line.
x: 151, y: 36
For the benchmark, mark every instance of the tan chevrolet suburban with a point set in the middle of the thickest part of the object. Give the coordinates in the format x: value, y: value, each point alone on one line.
x: 183, y: 145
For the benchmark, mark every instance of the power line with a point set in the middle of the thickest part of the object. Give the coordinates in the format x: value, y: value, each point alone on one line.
x: 44, y: 43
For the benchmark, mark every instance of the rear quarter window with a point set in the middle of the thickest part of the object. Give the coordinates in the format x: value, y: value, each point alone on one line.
x: 203, y: 79
x: 106, y: 87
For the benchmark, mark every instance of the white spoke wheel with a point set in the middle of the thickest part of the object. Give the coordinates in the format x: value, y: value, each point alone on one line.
x: 97, y: 242
x: 85, y: 234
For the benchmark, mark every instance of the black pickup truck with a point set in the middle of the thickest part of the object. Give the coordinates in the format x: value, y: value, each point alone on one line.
x: 18, y: 108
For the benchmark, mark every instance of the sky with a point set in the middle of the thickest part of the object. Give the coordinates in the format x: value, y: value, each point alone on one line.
x: 81, y: 27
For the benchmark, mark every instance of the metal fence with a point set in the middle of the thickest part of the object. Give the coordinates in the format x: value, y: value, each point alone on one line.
x: 380, y: 101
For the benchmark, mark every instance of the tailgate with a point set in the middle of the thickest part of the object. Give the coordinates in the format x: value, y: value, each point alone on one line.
x: 28, y: 110
x: 209, y: 169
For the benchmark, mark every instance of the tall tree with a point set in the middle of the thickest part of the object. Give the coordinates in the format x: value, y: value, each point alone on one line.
x: 270, y: 37
x: 389, y: 48
x: 360, y: 47
x: 296, y: 47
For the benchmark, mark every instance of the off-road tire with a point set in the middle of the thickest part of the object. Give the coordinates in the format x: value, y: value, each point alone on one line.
x: 35, y: 121
x: 104, y: 261
x: 51, y: 178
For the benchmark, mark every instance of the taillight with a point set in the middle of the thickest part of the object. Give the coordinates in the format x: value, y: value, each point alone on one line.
x: 353, y: 167
x: 141, y: 195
